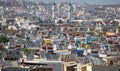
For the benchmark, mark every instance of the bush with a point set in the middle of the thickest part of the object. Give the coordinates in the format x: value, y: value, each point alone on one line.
x: 4, y: 39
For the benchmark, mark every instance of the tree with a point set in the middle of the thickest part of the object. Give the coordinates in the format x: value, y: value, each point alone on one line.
x: 60, y: 21
x: 28, y: 51
x: 4, y: 39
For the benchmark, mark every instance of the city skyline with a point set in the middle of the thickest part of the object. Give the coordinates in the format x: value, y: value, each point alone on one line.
x: 103, y: 2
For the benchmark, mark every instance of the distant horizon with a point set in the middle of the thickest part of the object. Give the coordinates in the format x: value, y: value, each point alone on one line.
x: 97, y: 2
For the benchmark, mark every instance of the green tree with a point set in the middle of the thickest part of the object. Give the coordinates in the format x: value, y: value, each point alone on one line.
x: 60, y: 21
x: 4, y: 39
x: 28, y: 51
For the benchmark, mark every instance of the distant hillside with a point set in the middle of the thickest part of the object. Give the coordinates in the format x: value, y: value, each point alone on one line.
x: 116, y: 6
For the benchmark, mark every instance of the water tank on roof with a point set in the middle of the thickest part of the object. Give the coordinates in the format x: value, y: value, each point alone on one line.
x: 88, y: 42
x: 92, y: 39
x: 78, y: 41
x: 105, y: 46
x: 47, y: 41
x: 54, y: 33
x: 88, y: 47
x: 80, y: 52
x: 27, y: 36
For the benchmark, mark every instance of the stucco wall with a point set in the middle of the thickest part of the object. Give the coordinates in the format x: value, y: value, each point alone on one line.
x: 102, y: 68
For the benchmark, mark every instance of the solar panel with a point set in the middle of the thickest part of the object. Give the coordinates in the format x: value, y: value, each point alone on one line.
x: 82, y: 60
x: 48, y: 56
x: 31, y: 56
x: 61, y: 47
x: 42, y: 55
x: 72, y: 56
x: 55, y: 56
x: 97, y: 61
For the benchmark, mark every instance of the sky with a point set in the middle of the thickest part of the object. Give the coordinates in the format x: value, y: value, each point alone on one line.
x: 91, y: 1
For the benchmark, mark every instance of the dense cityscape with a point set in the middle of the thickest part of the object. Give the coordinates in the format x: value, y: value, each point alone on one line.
x: 64, y: 36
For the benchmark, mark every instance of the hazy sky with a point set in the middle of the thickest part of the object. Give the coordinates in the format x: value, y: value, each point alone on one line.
x: 91, y: 1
